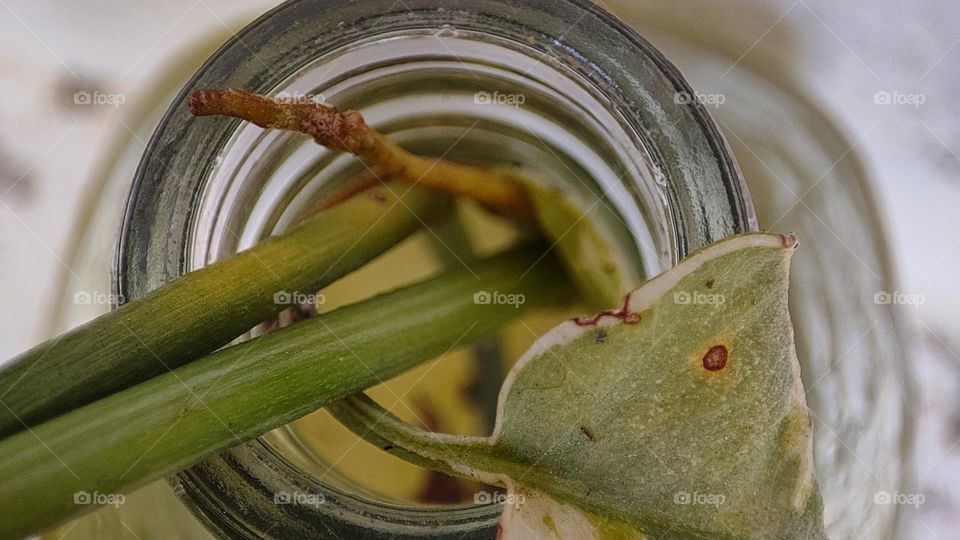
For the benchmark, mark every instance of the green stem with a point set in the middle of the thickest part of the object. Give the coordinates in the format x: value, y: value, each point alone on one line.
x: 171, y: 421
x: 205, y: 309
x: 452, y: 247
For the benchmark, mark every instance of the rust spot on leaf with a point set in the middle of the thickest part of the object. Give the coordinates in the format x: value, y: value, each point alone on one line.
x: 710, y: 283
x: 716, y: 358
x: 587, y: 432
x: 624, y: 314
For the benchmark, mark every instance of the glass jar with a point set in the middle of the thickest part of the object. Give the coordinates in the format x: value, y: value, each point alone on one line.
x: 592, y: 105
x: 556, y: 85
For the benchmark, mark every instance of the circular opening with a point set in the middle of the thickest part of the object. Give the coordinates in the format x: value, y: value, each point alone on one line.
x: 485, y: 83
x: 481, y: 103
x: 462, y: 95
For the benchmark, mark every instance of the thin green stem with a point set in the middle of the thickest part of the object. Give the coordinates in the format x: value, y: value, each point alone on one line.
x: 172, y: 420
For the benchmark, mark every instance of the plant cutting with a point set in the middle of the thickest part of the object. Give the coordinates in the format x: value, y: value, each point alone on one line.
x: 596, y: 270
x: 657, y: 420
x: 702, y: 396
x: 173, y: 420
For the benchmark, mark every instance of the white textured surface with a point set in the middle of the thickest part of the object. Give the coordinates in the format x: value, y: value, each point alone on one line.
x: 842, y: 52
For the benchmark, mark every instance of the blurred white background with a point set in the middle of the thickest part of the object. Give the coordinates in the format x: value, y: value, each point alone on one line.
x: 843, y: 53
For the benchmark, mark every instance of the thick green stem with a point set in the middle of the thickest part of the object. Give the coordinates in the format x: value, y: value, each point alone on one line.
x: 205, y: 309
x: 171, y: 421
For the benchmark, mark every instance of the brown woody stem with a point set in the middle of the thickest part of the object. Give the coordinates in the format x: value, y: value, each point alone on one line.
x: 347, y: 131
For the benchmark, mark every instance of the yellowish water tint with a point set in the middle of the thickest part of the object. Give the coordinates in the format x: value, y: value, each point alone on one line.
x: 433, y: 395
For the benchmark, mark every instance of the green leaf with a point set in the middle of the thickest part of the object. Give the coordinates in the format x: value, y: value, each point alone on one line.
x: 596, y: 269
x: 680, y: 415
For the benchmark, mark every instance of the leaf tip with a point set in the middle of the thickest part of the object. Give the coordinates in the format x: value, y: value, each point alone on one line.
x: 789, y: 241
